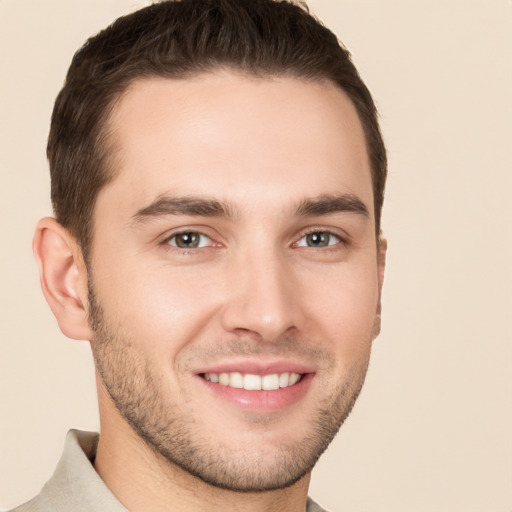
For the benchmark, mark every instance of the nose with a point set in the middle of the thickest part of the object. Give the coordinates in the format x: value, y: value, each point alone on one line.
x: 263, y: 298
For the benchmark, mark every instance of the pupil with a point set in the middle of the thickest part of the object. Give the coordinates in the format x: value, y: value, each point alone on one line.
x: 187, y: 240
x: 318, y: 239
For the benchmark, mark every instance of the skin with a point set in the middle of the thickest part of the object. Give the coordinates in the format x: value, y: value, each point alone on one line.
x: 256, y: 291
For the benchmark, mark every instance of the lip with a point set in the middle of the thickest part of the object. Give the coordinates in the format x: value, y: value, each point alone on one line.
x: 258, y: 401
x: 257, y: 367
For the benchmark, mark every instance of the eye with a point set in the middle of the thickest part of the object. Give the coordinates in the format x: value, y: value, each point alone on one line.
x: 319, y: 239
x: 189, y: 240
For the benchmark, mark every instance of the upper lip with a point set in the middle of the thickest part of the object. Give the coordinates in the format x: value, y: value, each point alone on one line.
x: 255, y: 367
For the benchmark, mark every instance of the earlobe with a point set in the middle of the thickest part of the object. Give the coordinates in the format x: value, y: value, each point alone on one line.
x: 381, y: 261
x: 63, y: 277
x: 381, y: 265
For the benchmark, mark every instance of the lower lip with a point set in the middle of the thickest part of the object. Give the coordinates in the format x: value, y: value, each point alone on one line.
x: 261, y: 401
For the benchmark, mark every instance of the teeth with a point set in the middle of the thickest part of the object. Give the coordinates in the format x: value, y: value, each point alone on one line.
x: 284, y: 380
x: 254, y: 382
x: 270, y: 382
x: 236, y: 380
x: 294, y: 378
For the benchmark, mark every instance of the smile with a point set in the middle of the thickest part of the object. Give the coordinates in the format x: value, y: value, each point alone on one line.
x: 251, y: 382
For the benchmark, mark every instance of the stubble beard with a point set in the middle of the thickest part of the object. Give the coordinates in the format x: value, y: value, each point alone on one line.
x: 174, y: 435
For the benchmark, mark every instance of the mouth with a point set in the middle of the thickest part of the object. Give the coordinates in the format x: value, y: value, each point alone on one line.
x: 253, y: 382
x: 258, y: 387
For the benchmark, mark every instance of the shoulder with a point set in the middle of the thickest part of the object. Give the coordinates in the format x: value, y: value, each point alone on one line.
x: 74, y: 483
x: 34, y: 505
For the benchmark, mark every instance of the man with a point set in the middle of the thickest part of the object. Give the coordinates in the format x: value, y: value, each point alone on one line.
x: 217, y: 179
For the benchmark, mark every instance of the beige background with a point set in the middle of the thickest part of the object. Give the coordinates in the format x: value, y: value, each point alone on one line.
x: 432, y: 431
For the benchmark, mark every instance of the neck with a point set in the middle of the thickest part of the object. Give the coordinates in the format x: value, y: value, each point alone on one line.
x: 143, y: 480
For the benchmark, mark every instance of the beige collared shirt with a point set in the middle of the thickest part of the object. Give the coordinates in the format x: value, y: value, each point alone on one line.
x: 76, y: 487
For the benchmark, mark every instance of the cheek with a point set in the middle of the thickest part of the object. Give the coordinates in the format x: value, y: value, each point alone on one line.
x: 162, y: 305
x: 344, y: 308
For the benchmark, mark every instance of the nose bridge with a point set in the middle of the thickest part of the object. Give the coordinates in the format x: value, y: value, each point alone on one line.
x: 261, y: 295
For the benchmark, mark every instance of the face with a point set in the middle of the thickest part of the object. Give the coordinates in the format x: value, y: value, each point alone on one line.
x: 234, y: 283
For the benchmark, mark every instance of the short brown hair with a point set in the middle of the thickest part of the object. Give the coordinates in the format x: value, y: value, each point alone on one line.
x: 178, y: 39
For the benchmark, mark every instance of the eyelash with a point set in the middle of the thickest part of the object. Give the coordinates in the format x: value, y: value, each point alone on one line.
x: 339, y: 244
x: 167, y: 241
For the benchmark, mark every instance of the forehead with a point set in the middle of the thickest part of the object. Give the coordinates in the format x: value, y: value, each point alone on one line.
x: 237, y: 137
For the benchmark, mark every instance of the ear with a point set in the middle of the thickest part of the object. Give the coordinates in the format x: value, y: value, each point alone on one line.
x: 382, y: 248
x: 63, y: 277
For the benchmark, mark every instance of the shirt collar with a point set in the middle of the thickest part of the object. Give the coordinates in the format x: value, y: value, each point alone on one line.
x: 75, y: 485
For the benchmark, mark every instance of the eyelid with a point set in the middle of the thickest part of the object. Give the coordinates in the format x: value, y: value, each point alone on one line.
x: 200, y: 246
x: 342, y: 236
x: 201, y: 231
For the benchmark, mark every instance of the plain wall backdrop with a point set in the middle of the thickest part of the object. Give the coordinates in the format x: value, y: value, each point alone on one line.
x: 432, y: 431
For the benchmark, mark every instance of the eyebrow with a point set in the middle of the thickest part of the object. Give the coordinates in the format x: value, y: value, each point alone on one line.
x: 206, y: 207
x: 187, y: 205
x: 326, y: 204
